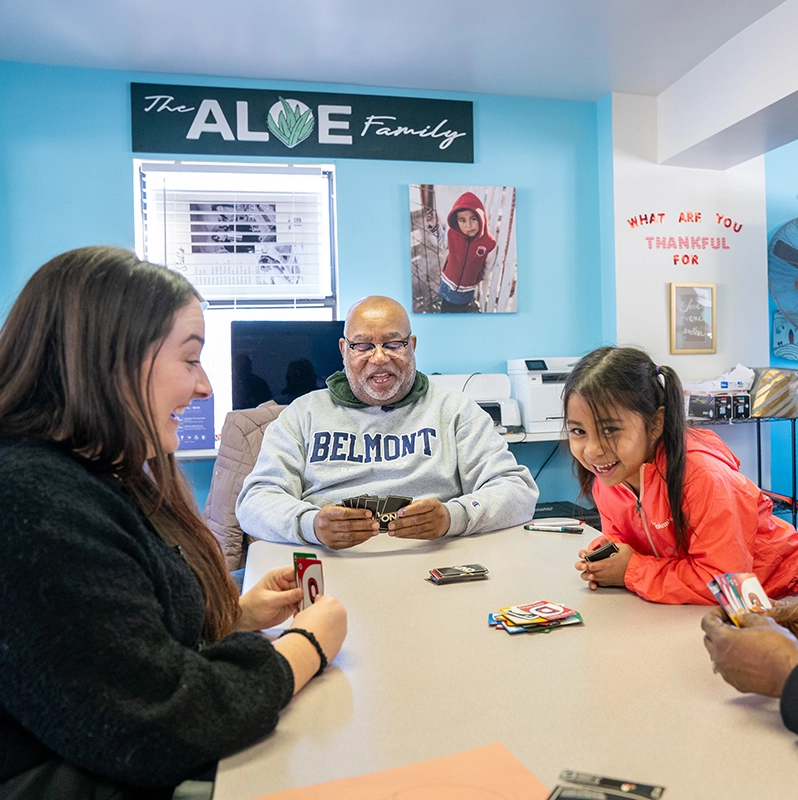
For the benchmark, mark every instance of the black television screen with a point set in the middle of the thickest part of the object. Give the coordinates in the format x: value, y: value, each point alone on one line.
x: 282, y: 360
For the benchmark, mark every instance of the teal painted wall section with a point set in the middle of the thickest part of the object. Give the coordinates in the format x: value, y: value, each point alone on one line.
x: 199, y: 474
x: 781, y: 182
x: 66, y: 180
x: 607, y: 219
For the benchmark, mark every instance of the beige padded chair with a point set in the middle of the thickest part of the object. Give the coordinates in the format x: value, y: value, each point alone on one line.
x: 242, y: 434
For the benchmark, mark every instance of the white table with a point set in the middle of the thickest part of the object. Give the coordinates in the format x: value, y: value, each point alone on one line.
x: 630, y: 694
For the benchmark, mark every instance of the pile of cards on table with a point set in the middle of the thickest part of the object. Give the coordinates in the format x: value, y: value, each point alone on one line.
x: 539, y: 617
x: 584, y: 786
x: 382, y: 508
x: 458, y: 574
x: 739, y: 593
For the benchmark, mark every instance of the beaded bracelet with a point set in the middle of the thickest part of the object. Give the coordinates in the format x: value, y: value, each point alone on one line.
x: 314, y: 641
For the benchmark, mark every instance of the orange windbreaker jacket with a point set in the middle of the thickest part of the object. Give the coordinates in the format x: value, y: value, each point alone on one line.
x: 730, y: 523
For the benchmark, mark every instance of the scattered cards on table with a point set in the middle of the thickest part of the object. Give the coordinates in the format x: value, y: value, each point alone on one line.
x: 458, y: 574
x: 382, y: 508
x: 739, y: 593
x: 309, y: 578
x: 539, y: 617
x: 581, y: 785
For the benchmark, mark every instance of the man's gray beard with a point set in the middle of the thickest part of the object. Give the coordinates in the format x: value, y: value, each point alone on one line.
x: 363, y: 388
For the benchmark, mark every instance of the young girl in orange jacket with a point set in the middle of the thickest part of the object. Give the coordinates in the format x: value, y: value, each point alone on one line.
x: 671, y: 497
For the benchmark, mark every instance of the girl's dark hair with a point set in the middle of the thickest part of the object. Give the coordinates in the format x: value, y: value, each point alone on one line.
x: 625, y: 377
x: 72, y: 354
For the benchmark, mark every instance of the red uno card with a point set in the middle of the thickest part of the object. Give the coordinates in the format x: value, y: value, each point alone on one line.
x: 309, y: 578
x: 750, y: 591
x: 543, y: 608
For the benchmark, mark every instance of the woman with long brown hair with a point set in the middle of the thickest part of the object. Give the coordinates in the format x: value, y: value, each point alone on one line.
x: 129, y: 663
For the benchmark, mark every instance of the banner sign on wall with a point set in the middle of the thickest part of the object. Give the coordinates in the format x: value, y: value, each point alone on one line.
x: 257, y: 122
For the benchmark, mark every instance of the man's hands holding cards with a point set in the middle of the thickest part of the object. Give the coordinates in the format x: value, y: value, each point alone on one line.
x: 424, y: 519
x: 756, y: 657
x: 608, y: 571
x: 357, y: 519
x: 338, y: 527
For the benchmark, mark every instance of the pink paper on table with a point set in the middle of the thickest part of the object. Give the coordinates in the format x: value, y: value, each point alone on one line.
x: 486, y: 773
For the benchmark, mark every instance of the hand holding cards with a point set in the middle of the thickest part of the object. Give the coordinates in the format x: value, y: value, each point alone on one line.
x: 600, y: 553
x: 309, y: 578
x: 738, y: 594
x: 383, y: 509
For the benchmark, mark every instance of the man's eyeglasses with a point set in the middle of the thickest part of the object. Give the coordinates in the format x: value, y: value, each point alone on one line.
x: 366, y: 350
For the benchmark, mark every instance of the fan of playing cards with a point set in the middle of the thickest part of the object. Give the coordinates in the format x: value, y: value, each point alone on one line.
x: 382, y: 508
x: 739, y: 593
x: 539, y: 617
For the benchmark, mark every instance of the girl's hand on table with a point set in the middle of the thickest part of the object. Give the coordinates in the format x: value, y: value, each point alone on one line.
x: 609, y: 572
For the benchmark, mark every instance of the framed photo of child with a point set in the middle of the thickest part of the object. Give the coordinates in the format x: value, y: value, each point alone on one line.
x: 693, y: 314
x: 463, y: 253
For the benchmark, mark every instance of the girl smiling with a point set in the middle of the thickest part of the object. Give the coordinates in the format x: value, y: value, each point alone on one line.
x: 671, y: 497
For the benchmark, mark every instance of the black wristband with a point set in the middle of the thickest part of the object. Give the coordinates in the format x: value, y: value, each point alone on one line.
x: 314, y: 641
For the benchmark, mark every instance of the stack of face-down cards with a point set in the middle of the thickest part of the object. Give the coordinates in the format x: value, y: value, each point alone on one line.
x: 584, y: 786
x: 539, y: 617
x: 459, y: 573
x: 383, y: 509
x: 739, y: 593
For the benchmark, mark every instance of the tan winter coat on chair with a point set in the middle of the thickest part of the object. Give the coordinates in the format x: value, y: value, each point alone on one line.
x: 242, y: 434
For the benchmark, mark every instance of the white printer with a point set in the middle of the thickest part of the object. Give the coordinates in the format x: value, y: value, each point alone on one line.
x: 537, y: 384
x: 490, y: 391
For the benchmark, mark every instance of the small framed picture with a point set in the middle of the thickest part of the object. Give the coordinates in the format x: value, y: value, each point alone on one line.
x: 693, y: 318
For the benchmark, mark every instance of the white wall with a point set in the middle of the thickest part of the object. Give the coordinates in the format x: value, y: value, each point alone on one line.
x: 643, y: 273
x: 737, y: 103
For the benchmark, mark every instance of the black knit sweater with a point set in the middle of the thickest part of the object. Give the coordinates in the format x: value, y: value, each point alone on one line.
x: 99, y: 628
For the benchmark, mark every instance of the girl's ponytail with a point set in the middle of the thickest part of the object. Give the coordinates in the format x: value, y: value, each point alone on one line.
x: 674, y: 442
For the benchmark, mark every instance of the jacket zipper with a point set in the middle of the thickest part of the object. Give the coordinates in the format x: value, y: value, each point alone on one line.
x: 641, y: 513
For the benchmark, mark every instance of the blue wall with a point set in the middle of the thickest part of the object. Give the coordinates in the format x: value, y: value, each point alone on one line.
x: 781, y: 181
x: 66, y: 180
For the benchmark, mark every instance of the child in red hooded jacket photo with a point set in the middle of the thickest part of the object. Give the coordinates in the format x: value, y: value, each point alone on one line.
x: 469, y: 243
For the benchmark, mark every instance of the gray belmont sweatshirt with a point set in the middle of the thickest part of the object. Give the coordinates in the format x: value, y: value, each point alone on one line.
x: 443, y: 445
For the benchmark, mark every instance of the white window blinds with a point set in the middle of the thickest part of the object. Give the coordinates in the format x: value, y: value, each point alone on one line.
x: 243, y: 234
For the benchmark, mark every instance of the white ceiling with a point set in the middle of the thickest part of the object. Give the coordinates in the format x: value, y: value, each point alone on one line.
x: 570, y: 49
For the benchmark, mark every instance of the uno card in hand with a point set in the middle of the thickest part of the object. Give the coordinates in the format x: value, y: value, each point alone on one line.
x: 750, y: 591
x: 309, y: 578
x: 389, y: 507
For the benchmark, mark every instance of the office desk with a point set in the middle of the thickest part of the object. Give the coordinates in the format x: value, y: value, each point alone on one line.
x: 630, y: 694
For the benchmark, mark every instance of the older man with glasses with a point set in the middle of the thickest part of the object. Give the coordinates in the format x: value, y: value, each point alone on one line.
x: 382, y: 429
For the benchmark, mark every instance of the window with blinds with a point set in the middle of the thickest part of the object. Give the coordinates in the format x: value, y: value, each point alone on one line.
x: 246, y: 235
x: 258, y: 242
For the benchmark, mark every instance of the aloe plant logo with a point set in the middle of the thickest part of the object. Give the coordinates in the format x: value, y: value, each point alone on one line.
x: 290, y: 121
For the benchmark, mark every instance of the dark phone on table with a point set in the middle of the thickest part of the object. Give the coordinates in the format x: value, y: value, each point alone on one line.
x: 605, y: 551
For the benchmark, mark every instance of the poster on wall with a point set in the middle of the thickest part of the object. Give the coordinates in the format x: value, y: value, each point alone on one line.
x: 214, y: 120
x: 463, y: 253
x: 195, y: 431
